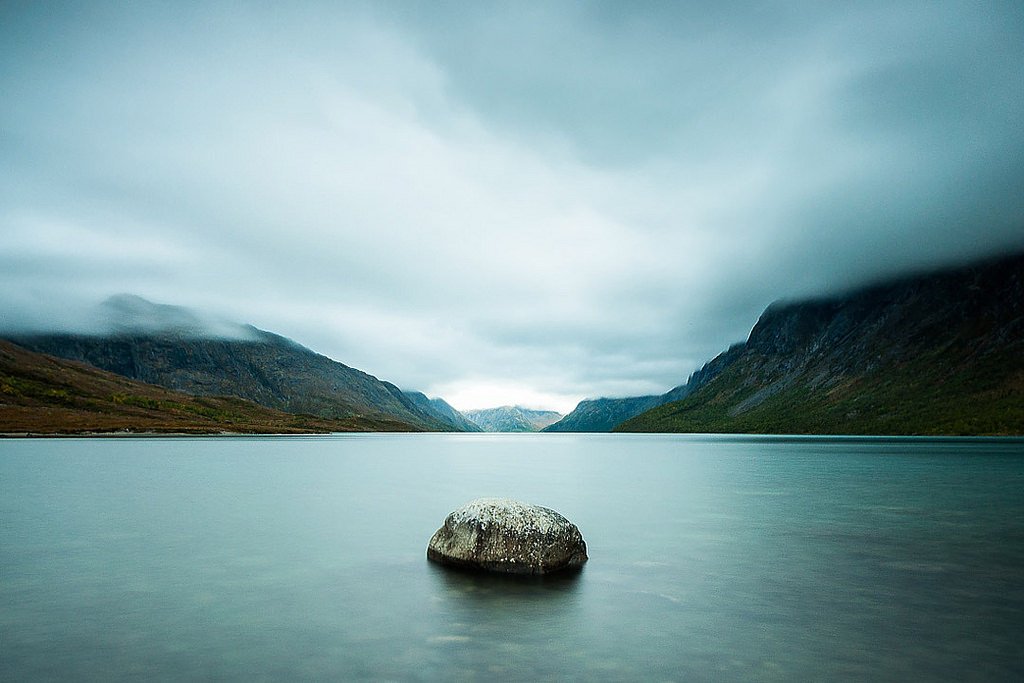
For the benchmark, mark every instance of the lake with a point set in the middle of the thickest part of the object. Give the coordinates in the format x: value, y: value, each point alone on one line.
x: 711, y: 558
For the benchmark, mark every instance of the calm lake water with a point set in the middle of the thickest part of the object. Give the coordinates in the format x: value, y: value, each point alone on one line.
x: 712, y: 558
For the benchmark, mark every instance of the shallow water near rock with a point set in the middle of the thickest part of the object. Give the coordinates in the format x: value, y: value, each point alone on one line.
x: 725, y: 558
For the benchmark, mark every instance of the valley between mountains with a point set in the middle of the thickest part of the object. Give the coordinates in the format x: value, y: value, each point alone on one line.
x: 939, y: 353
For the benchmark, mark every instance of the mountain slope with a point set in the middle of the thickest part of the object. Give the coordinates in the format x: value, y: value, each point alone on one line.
x: 512, y: 419
x: 439, y: 410
x: 41, y: 394
x: 170, y: 347
x: 934, y: 354
x: 602, y: 414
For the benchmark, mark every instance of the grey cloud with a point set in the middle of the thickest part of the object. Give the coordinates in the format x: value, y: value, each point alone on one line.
x: 572, y: 198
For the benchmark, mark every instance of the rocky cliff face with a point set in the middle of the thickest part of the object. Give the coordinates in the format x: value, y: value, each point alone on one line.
x: 941, y: 353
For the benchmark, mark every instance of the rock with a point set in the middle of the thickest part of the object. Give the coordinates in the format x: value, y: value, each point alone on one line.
x: 503, y: 535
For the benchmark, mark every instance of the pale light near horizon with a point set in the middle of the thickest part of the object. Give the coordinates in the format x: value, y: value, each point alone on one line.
x: 473, y: 394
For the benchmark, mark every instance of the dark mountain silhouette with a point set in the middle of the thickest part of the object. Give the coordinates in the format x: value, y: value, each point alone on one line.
x: 938, y: 353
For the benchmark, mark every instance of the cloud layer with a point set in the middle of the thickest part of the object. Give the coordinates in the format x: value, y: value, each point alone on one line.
x: 508, y: 203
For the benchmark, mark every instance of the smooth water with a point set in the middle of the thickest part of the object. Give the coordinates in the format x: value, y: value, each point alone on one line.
x: 712, y: 558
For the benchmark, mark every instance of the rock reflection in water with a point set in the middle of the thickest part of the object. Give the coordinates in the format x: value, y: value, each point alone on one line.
x: 524, y: 627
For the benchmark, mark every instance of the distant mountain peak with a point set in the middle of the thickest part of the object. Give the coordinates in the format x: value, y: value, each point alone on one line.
x: 512, y: 419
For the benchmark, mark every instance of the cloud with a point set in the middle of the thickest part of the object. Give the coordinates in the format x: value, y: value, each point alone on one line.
x: 550, y: 200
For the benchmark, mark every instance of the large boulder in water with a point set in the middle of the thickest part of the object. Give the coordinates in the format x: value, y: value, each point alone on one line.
x: 502, y: 535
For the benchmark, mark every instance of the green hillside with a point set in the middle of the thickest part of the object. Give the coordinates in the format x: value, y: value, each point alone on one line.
x: 918, y: 397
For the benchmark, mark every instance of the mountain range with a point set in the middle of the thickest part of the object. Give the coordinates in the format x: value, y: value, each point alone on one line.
x: 932, y: 353
x: 512, y: 419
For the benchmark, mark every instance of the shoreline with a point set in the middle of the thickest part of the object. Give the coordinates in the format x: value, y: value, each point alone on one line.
x: 714, y: 435
x: 155, y: 435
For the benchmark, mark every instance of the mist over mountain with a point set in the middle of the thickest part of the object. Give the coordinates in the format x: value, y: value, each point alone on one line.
x: 130, y: 314
x: 512, y: 419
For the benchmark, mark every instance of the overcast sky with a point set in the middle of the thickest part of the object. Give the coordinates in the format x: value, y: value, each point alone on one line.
x: 500, y: 203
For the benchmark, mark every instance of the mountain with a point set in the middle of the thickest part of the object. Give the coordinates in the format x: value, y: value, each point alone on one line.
x: 174, y: 348
x: 512, y: 419
x: 40, y: 394
x: 939, y: 353
x: 604, y: 414
x: 439, y: 409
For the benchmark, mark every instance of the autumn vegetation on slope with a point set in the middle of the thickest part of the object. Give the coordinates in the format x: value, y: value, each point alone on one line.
x: 40, y: 394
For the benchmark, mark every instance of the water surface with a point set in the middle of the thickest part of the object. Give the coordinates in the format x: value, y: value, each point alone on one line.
x: 712, y: 558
